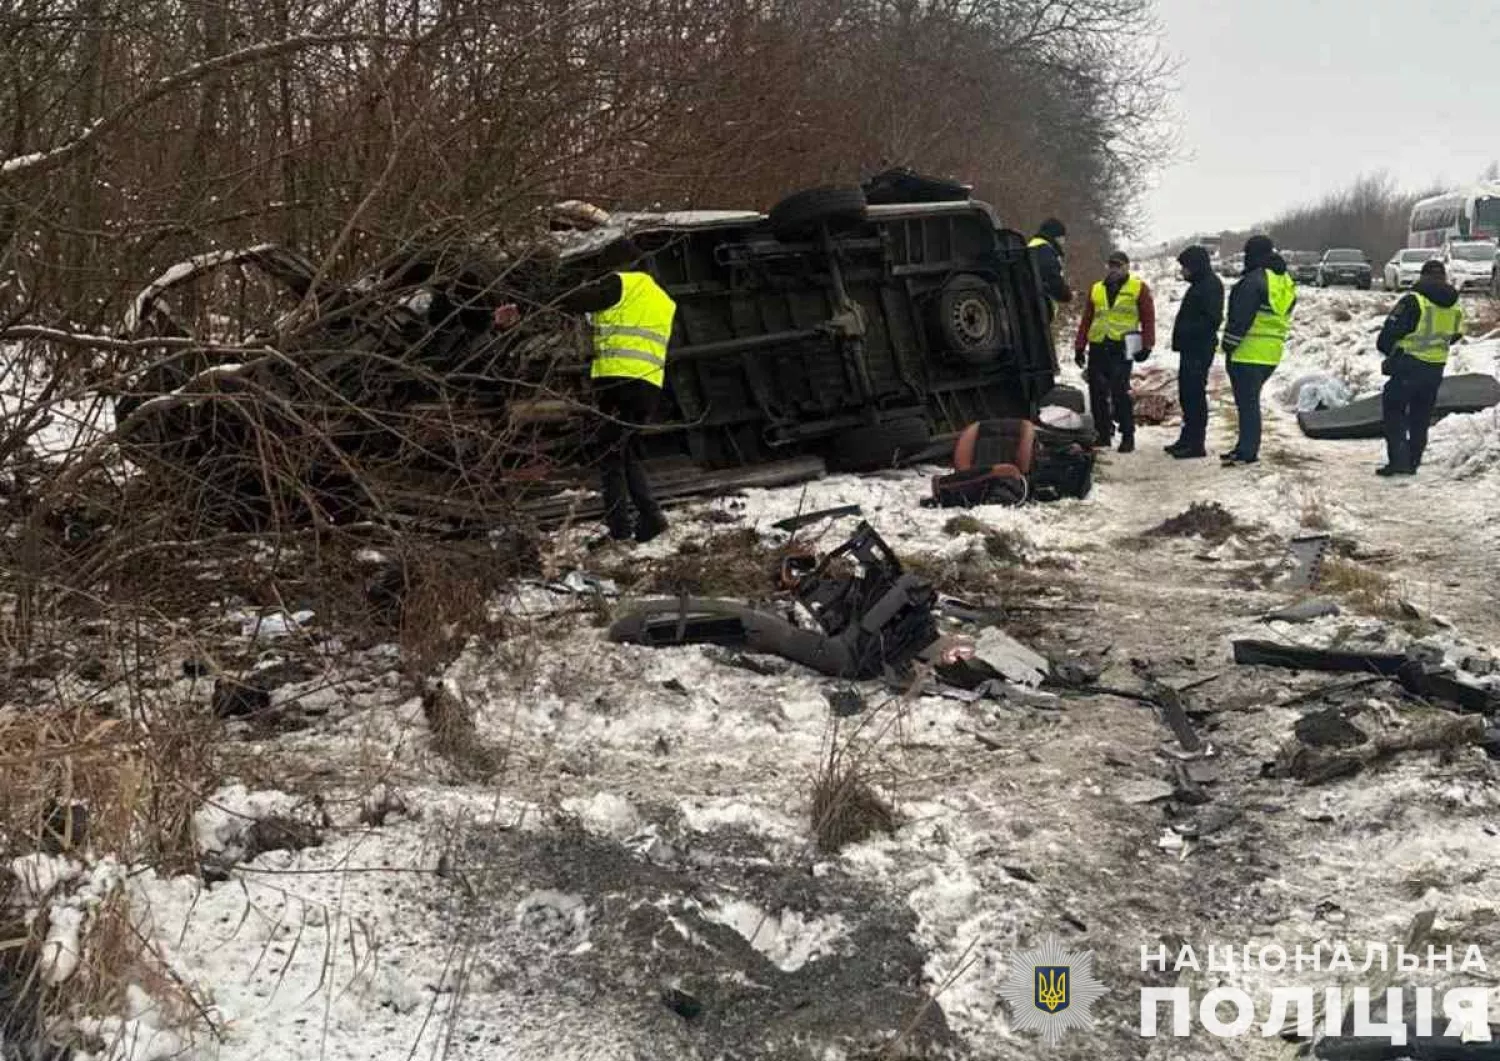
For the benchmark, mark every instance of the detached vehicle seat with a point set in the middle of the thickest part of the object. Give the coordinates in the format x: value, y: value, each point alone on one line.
x: 1008, y: 462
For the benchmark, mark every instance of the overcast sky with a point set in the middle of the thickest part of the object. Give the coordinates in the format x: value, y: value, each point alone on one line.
x: 1282, y: 100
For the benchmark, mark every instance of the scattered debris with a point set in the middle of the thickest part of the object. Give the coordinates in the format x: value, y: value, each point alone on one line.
x: 764, y: 665
x: 1416, y: 674
x: 1464, y: 393
x: 236, y: 699
x: 795, y: 523
x: 1012, y: 660
x: 584, y: 584
x: 1315, y: 765
x: 873, y: 618
x: 845, y: 701
x: 1298, y: 657
x: 1303, y: 611
x: 1144, y: 791
x: 1208, y: 520
x: 681, y: 1003
x: 1308, y: 552
x: 1328, y: 728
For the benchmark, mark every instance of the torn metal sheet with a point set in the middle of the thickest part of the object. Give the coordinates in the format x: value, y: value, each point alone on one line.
x: 1014, y: 661
x: 1308, y: 552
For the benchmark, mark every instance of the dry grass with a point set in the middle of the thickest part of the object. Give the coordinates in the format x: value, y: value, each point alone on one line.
x: 1208, y: 520
x: 734, y: 563
x: 1002, y: 546
x: 846, y: 808
x: 964, y: 524
x: 978, y: 574
x: 1314, y: 515
x: 139, y: 782
x: 1366, y: 590
x: 455, y: 736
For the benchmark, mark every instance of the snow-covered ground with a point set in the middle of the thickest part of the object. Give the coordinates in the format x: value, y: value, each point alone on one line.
x: 636, y: 878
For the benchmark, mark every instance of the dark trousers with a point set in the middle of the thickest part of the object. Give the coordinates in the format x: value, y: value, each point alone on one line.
x: 1109, y: 391
x: 1247, y: 381
x: 626, y: 404
x: 1406, y: 405
x: 1192, y: 393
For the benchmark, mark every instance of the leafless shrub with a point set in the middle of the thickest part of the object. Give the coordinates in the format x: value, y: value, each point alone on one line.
x: 845, y: 807
x: 455, y: 736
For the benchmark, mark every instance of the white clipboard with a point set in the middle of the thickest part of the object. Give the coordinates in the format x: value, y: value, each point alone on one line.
x: 1132, y: 343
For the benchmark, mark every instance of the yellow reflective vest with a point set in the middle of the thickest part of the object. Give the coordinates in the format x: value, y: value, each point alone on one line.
x: 1437, y: 326
x: 631, y: 337
x: 1118, y: 320
x: 1266, y: 339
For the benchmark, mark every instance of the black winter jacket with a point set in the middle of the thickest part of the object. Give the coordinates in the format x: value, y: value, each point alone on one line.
x: 1196, y: 329
x: 1406, y: 313
x: 1049, y: 264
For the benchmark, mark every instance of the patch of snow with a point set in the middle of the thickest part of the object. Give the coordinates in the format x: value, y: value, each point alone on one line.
x: 1465, y: 446
x: 606, y: 814
x: 220, y: 825
x: 275, y: 625
x: 786, y: 938
x: 37, y: 874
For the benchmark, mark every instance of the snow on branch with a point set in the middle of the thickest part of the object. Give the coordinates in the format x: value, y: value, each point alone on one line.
x: 41, y: 161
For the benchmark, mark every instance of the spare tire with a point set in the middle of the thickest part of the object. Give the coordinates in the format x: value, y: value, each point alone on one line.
x: 970, y: 319
x: 867, y: 449
x: 801, y: 213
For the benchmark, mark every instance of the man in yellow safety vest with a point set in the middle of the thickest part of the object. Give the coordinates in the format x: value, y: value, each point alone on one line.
x: 1118, y: 326
x: 1415, y: 340
x: 630, y: 319
x: 1255, y: 331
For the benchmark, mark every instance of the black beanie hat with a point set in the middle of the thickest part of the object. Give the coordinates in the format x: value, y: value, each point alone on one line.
x: 1052, y: 228
x: 1258, y: 251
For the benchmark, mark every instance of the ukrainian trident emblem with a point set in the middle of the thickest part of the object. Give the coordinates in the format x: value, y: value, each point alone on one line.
x: 1050, y: 990
x: 1052, y: 987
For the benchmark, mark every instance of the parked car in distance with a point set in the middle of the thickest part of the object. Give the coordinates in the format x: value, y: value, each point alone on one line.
x: 1234, y: 265
x: 1405, y: 266
x: 1470, y: 264
x: 1301, y: 265
x: 1345, y: 265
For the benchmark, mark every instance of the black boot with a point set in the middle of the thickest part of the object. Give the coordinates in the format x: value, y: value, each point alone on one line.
x: 650, y: 525
x: 1127, y: 445
x: 616, y: 504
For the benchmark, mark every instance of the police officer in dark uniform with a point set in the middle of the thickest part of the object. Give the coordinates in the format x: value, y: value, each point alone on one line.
x: 1415, y: 340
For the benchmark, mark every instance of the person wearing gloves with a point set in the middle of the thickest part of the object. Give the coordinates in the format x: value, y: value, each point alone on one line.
x: 1195, y: 336
x: 1415, y: 340
x: 1118, y: 326
x: 1260, y: 317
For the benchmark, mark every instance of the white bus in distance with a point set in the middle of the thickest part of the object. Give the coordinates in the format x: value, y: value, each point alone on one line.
x: 1470, y: 214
